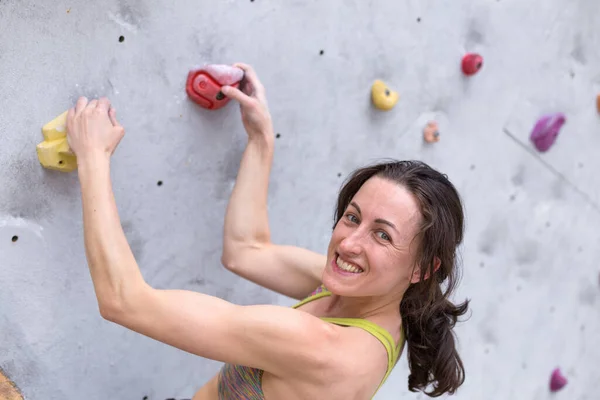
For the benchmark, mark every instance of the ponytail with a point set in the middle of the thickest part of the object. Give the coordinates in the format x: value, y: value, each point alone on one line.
x: 432, y: 355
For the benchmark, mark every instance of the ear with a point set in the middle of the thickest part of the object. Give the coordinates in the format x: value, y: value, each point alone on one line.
x: 416, y: 276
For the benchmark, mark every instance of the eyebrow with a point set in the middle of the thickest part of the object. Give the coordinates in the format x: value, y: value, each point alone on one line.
x: 378, y: 220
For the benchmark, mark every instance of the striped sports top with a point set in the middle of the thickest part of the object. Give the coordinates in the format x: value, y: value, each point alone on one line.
x: 238, y: 382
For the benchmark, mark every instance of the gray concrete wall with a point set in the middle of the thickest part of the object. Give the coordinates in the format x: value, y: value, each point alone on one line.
x: 533, y: 220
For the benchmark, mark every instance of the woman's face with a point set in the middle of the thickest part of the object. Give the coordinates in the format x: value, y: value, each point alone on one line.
x: 372, y: 251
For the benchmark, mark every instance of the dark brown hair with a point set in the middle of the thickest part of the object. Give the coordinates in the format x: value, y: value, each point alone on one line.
x: 428, y: 315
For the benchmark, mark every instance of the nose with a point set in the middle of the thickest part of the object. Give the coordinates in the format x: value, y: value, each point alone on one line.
x: 352, y: 243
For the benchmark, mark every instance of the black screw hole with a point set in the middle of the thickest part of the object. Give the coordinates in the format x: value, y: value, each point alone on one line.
x: 278, y: 136
x: 251, y: 1
x: 220, y: 96
x: 60, y: 162
x: 479, y: 65
x: 387, y: 92
x: 121, y: 39
x: 15, y: 238
x: 419, y: 19
x: 322, y: 52
x: 145, y: 398
x: 159, y: 183
x: 339, y: 174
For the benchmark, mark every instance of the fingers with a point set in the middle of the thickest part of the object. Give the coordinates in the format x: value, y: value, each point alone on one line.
x: 112, y: 114
x: 70, y: 117
x: 103, y: 104
x: 250, y: 76
x: 82, y: 102
x: 70, y: 114
x: 236, y: 94
x: 92, y: 104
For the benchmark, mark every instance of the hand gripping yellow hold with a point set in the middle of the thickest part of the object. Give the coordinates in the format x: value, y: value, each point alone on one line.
x: 54, y: 152
x: 383, y: 97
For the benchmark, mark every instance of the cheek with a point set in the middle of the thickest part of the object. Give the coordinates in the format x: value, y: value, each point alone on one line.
x: 396, y: 268
x: 338, y: 233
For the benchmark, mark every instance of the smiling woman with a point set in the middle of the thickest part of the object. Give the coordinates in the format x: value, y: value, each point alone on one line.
x: 378, y: 288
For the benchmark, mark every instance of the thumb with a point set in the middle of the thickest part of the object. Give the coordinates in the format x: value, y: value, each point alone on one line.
x: 236, y: 94
x: 112, y: 114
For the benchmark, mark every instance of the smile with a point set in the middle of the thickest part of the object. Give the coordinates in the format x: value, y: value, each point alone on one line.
x: 347, y: 267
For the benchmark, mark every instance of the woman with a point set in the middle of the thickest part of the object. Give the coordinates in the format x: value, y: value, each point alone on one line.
x: 397, y: 227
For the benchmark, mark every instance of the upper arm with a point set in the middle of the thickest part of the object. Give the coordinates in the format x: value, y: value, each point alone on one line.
x: 273, y: 338
x: 292, y: 271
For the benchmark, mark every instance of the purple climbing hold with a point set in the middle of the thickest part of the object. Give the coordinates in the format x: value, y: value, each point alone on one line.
x: 546, y: 130
x: 557, y: 380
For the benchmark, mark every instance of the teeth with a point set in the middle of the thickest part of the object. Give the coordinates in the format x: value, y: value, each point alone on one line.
x: 348, y: 267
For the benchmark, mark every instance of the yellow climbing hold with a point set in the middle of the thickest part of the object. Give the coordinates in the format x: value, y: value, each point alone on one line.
x: 383, y: 97
x: 8, y: 390
x: 54, y: 152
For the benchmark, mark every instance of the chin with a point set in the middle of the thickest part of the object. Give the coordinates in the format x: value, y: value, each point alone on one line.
x: 338, y: 286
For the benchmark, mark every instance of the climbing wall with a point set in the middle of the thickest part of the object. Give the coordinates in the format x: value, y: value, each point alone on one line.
x: 530, y: 256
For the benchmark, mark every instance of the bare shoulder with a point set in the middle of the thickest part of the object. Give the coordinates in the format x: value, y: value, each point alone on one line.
x: 359, y: 363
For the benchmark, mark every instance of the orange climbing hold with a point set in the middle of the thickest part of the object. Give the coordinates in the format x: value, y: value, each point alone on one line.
x: 598, y: 102
x: 431, y: 134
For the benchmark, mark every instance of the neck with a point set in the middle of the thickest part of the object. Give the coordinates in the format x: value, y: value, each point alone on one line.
x: 365, y: 307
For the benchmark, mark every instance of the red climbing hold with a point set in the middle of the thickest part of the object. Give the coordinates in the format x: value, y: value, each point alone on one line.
x: 471, y: 63
x: 204, y: 84
x: 557, y: 381
x: 546, y: 130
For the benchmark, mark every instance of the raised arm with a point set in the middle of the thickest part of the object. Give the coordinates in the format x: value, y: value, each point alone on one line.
x: 247, y: 247
x: 265, y: 337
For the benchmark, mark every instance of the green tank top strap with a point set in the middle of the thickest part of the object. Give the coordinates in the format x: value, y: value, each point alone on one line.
x: 386, y: 339
x: 393, y: 350
x: 317, y: 294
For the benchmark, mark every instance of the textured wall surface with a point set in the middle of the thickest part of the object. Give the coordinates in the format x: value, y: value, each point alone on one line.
x: 532, y: 245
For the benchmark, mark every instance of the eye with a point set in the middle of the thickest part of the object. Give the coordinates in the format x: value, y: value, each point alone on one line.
x: 352, y: 218
x: 384, y: 236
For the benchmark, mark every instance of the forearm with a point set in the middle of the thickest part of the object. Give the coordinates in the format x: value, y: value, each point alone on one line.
x: 246, y: 218
x: 115, y: 273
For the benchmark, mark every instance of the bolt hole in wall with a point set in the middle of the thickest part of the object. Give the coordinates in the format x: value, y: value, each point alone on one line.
x: 15, y: 238
x: 159, y: 183
x: 419, y: 19
x: 60, y: 162
x: 278, y: 136
x: 321, y: 52
x: 121, y: 39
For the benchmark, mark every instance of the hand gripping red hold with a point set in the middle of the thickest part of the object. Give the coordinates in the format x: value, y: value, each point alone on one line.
x: 204, y: 84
